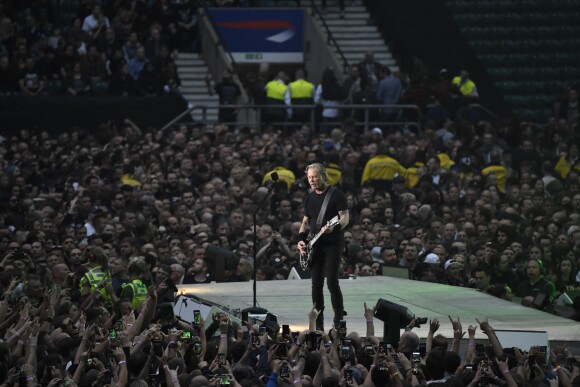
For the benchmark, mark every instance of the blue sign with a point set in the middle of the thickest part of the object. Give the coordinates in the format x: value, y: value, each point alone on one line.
x: 261, y: 35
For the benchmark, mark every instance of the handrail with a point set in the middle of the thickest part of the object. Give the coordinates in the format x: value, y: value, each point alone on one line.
x: 330, y: 38
x: 189, y: 110
x: 484, y: 109
x: 366, y: 122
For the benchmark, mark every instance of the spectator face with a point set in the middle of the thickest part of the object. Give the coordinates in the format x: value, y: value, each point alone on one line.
x: 481, y: 280
x: 118, y: 266
x: 198, y: 266
x: 533, y: 270
x: 566, y: 266
x: 389, y: 215
x: 410, y: 253
x: 53, y: 260
x: 160, y: 275
x: 453, y: 270
x: 385, y: 238
x: 389, y: 256
x: 76, y: 257
x: 535, y: 253
x: 412, y: 211
x: 60, y: 272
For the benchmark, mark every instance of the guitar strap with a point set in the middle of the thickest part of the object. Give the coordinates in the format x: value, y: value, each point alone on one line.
x: 323, y: 207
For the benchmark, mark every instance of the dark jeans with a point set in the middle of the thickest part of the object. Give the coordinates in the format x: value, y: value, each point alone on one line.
x: 326, y: 262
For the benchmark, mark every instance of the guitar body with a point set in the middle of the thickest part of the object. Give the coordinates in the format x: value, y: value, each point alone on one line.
x: 307, y: 257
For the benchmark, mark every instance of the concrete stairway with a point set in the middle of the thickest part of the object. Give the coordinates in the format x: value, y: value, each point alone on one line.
x: 192, y: 71
x: 355, y: 34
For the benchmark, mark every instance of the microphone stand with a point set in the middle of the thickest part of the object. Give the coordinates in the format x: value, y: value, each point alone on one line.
x: 255, y: 309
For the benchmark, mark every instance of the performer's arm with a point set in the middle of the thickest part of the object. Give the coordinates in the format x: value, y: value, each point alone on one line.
x: 344, y: 218
x: 303, y: 234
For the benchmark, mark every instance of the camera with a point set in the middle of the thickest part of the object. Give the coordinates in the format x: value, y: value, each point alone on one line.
x: 221, y: 359
x: 255, y: 340
x: 119, y: 326
x: 185, y: 336
x: 421, y: 320
x: 484, y: 364
x: 196, y: 317
x: 223, y: 380
x: 384, y: 348
x: 348, y: 375
x: 113, y: 334
x: 197, y: 348
x: 281, y: 349
x: 345, y: 348
x: 415, y: 360
x: 285, y: 331
x: 284, y: 371
x: 369, y: 349
x: 342, y: 328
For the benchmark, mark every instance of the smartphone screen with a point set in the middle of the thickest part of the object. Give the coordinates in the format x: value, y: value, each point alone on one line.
x: 196, y: 317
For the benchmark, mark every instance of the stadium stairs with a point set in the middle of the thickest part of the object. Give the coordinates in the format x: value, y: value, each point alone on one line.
x: 193, y: 71
x: 356, y: 33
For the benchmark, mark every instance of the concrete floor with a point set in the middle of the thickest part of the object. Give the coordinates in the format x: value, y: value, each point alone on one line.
x: 290, y: 301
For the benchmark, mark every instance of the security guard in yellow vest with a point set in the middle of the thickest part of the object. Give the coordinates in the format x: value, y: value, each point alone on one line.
x: 98, y: 277
x: 136, y: 290
x: 299, y: 92
x: 275, y: 94
x: 465, y: 85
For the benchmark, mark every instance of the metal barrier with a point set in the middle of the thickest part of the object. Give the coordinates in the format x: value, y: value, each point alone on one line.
x: 261, y: 116
x: 190, y: 109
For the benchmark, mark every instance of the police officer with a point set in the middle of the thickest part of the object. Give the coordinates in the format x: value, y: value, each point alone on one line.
x: 275, y: 97
x: 299, y: 92
x: 136, y: 290
x: 98, y: 276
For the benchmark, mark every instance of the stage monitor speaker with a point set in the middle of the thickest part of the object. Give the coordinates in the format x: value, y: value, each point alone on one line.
x: 384, y: 311
x: 395, y: 317
x: 219, y: 261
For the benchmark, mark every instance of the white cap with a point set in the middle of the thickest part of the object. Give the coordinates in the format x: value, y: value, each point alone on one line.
x: 432, y: 258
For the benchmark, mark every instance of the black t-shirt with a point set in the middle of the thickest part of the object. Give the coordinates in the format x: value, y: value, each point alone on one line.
x: 228, y: 92
x: 312, y: 206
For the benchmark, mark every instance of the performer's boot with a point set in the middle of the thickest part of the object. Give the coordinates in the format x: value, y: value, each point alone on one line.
x: 338, y: 316
x: 320, y: 321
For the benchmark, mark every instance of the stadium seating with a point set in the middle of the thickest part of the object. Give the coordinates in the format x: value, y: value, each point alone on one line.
x: 530, y: 48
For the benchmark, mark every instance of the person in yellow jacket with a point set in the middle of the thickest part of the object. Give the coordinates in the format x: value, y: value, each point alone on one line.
x: 285, y: 175
x: 136, y: 291
x: 568, y: 161
x: 98, y: 276
x: 299, y: 92
x: 275, y: 96
x: 466, y: 86
x: 381, y: 169
x: 500, y: 172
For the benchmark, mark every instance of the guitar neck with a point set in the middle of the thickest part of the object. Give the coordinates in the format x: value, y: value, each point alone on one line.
x: 319, y: 234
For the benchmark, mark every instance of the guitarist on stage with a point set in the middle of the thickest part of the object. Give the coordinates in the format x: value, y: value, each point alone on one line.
x: 328, y: 248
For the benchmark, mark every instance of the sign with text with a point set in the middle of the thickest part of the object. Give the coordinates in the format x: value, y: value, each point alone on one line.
x: 261, y: 35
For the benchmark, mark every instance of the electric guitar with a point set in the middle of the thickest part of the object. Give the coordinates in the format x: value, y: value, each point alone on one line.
x: 306, y: 257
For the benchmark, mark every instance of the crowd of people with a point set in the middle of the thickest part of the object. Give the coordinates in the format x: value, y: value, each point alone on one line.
x: 121, y: 48
x: 97, y: 227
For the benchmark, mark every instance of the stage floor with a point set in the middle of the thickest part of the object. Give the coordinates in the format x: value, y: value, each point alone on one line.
x: 290, y: 301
